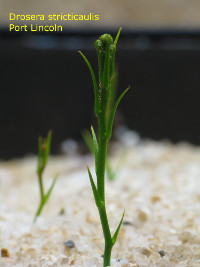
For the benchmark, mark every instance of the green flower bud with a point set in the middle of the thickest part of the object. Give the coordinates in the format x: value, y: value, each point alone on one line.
x: 104, y: 46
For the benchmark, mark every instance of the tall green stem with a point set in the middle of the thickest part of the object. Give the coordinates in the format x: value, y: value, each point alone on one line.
x: 101, y: 187
x: 41, y: 186
x: 103, y: 141
x: 107, y: 236
x: 39, y: 210
x: 100, y: 172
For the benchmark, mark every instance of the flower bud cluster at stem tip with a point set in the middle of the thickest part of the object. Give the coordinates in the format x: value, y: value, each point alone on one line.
x: 106, y: 54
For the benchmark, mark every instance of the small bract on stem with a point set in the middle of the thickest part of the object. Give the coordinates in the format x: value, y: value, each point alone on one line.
x: 106, y: 49
x: 44, y: 146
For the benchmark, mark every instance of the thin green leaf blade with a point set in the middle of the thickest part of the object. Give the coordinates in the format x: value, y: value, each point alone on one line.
x: 110, y: 173
x: 87, y: 137
x: 40, y: 155
x: 96, y: 93
x: 114, y: 238
x: 50, y: 189
x: 94, y: 189
x: 117, y: 37
x: 110, y: 123
x: 47, y: 147
x: 113, y: 88
x: 96, y: 147
x: 113, y: 53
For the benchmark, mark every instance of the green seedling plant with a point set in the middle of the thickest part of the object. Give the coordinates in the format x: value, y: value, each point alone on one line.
x: 44, y: 145
x: 106, y: 49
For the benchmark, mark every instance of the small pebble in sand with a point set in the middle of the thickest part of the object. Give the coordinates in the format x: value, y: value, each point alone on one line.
x: 4, y: 252
x: 162, y: 253
x: 127, y: 223
x: 64, y: 261
x: 155, y: 199
x: 69, y: 244
x: 142, y: 215
x: 62, y: 211
x: 143, y: 251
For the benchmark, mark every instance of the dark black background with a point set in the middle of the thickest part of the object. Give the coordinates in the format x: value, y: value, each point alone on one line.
x: 45, y: 84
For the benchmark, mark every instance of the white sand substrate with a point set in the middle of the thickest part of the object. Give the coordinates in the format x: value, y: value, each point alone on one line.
x: 158, y: 185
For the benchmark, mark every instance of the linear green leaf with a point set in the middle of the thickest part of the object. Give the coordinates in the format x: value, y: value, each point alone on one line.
x: 114, y: 238
x: 113, y: 90
x: 110, y: 173
x: 96, y: 147
x: 113, y: 53
x: 110, y: 123
x: 96, y: 94
x: 117, y: 37
x: 48, y: 147
x: 112, y: 65
x: 87, y: 137
x: 94, y: 189
x: 40, y: 155
x: 50, y: 189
